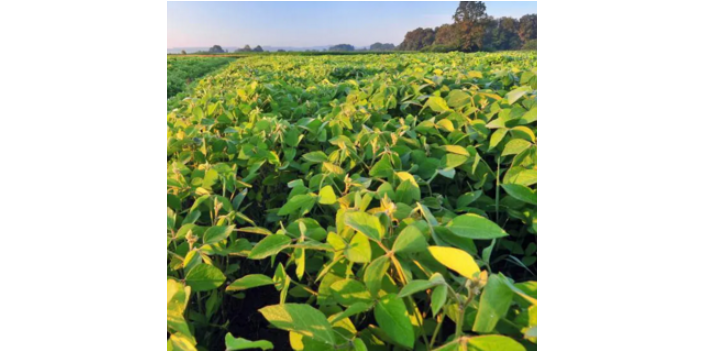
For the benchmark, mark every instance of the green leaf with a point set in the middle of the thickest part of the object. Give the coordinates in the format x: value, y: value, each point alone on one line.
x: 327, y: 196
x: 436, y: 104
x: 302, y: 319
x: 364, y: 223
x: 270, y: 245
x: 495, y: 343
x: 475, y: 227
x: 316, y: 157
x: 349, y: 292
x: 516, y: 94
x: 216, y: 234
x: 516, y: 146
x: 521, y: 193
x: 305, y: 201
x: 408, y: 191
x: 467, y: 199
x: 382, y: 168
x: 453, y: 160
x: 410, y: 240
x: 458, y: 98
x: 354, y: 309
x: 497, y: 138
x: 439, y: 299
x: 204, y: 277
x: 238, y: 344
x: 375, y: 273
x: 359, y: 249
x: 250, y: 281
x: 494, y: 303
x: 415, y: 286
x: 390, y: 313
x: 182, y: 342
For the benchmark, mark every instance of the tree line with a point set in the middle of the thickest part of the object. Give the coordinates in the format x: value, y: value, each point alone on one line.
x: 473, y: 30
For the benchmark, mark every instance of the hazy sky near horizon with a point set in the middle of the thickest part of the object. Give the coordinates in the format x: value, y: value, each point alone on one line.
x: 307, y: 23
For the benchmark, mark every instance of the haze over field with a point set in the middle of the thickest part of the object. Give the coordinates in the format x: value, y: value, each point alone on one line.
x: 194, y: 26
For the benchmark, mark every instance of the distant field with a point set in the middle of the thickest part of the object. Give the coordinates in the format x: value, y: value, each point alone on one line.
x: 182, y: 70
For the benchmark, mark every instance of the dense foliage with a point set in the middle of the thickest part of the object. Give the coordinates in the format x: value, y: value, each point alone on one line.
x: 384, y: 202
x: 181, y: 71
x: 473, y: 30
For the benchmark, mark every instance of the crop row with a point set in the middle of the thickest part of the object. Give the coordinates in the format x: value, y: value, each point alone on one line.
x: 355, y: 203
x: 181, y: 71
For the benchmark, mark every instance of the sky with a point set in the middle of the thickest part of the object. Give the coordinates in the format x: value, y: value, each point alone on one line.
x: 307, y: 24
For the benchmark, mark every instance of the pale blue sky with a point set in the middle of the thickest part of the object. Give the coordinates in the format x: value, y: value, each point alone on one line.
x: 301, y: 23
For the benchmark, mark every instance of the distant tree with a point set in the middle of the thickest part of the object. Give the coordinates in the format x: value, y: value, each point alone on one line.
x: 246, y: 49
x: 342, y: 47
x: 258, y: 49
x: 531, y: 45
x: 470, y: 11
x: 417, y: 39
x: 472, y: 30
x: 382, y: 47
x: 281, y: 51
x: 216, y: 49
x: 183, y: 52
x: 471, y: 21
x: 502, y: 34
x: 528, y: 28
x: 447, y: 35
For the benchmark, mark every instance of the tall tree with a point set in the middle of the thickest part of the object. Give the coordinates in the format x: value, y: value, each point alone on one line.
x: 447, y: 34
x: 504, y: 34
x: 258, y: 49
x: 471, y: 20
x: 528, y: 27
x: 470, y: 11
x: 417, y: 39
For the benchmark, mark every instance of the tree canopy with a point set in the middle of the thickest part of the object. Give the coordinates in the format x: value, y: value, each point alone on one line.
x: 473, y: 30
x: 382, y: 47
x: 341, y: 47
x: 216, y: 49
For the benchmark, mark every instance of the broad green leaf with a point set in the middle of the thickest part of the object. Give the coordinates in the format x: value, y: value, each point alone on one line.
x: 453, y: 160
x: 408, y: 191
x: 297, y: 202
x: 521, y: 193
x: 494, y: 343
x: 516, y: 94
x: 467, y: 199
x: 497, y: 137
x: 516, y: 146
x: 494, y: 303
x: 359, y: 345
x: 437, y: 104
x: 333, y: 168
x: 415, y: 286
x: 354, y: 309
x: 446, y: 125
x: 410, y: 240
x: 302, y: 319
x: 375, y: 273
x: 182, y: 342
x: 382, y: 168
x: 390, y: 313
x: 204, y: 277
x: 365, y: 223
x: 349, y: 292
x: 270, y: 245
x: 458, y: 98
x: 327, y: 196
x: 359, y: 249
x: 475, y: 227
x: 250, y: 281
x: 217, y: 233
x: 238, y: 344
x: 316, y: 157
